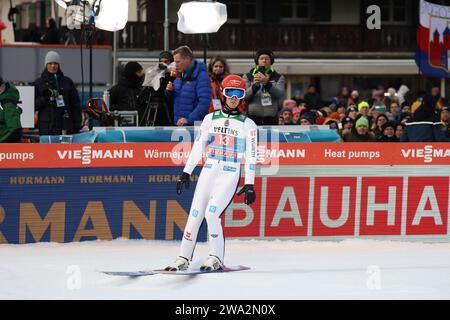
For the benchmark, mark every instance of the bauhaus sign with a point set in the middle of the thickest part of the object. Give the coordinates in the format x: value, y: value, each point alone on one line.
x: 65, y: 193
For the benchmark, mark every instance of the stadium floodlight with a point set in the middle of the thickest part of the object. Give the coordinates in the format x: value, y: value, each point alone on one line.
x: 201, y: 17
x: 63, y: 3
x: 112, y: 15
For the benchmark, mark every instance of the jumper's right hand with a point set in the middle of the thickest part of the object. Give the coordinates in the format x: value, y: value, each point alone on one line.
x: 183, y: 180
x: 169, y: 86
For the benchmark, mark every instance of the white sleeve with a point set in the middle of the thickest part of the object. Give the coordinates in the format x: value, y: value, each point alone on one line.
x: 251, y: 142
x: 199, y: 145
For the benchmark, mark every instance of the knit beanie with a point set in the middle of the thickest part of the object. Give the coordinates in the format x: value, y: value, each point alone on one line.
x: 166, y: 55
x: 52, y: 56
x: 131, y: 68
x: 362, y: 122
x: 362, y: 105
x: 387, y: 125
x: 265, y: 51
x: 309, y: 116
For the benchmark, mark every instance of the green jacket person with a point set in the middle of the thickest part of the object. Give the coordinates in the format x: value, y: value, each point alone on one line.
x: 10, y: 126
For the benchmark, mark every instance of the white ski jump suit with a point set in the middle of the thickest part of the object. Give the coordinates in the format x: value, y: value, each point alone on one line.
x: 230, y: 138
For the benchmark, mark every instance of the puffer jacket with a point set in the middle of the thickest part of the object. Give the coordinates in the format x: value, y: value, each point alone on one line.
x: 192, y: 94
x: 10, y: 126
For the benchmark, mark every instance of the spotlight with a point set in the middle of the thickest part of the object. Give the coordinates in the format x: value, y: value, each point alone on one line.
x: 63, y: 3
x: 201, y: 17
x: 112, y: 15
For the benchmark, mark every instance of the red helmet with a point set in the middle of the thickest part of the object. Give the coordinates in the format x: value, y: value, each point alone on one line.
x: 233, y: 86
x: 233, y: 81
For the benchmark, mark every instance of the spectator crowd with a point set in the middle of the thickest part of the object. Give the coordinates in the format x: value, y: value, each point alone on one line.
x: 182, y: 90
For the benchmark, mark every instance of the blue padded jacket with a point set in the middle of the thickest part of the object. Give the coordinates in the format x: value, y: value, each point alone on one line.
x: 192, y: 94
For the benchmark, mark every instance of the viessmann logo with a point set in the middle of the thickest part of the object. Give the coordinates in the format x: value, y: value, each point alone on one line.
x: 86, y: 154
x: 428, y: 153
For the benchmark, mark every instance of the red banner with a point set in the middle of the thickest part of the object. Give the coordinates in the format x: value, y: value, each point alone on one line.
x: 175, y: 154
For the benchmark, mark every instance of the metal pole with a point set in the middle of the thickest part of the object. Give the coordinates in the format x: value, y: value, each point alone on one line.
x: 205, y: 43
x: 443, y: 87
x: 115, y: 35
x: 90, y: 66
x: 166, y: 25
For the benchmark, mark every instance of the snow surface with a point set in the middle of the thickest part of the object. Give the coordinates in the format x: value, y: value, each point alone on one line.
x: 281, y: 270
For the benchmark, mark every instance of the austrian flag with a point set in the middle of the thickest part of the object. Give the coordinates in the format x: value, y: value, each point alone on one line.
x: 433, y: 38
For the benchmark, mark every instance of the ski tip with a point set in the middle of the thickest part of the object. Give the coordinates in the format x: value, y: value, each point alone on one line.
x: 128, y: 273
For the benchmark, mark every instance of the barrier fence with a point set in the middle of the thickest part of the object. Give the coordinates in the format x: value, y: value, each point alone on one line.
x: 77, y: 192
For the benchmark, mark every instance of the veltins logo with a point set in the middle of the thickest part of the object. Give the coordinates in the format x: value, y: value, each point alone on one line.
x: 86, y: 154
x: 428, y: 153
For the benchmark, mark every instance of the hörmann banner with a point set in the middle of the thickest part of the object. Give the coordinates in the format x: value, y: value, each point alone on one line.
x: 77, y: 192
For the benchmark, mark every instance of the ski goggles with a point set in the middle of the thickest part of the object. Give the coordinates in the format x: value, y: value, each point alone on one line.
x: 234, y: 92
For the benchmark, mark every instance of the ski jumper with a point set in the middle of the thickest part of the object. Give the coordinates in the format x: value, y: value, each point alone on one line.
x: 230, y: 139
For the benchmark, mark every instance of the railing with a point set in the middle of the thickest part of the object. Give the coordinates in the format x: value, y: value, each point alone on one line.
x: 280, y: 37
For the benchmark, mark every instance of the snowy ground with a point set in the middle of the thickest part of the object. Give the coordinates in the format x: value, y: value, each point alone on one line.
x: 351, y: 269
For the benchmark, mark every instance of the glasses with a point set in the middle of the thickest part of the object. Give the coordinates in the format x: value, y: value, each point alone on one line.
x: 234, y: 92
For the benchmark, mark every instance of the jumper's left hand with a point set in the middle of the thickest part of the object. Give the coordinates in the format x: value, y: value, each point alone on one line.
x: 250, y: 195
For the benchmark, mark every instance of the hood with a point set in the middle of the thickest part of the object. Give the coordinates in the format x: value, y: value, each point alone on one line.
x: 11, y: 93
x: 425, y: 112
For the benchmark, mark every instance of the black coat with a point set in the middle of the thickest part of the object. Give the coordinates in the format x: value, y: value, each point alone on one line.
x: 125, y: 95
x: 51, y: 120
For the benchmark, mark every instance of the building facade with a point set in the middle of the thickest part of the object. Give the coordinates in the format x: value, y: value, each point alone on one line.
x: 329, y: 43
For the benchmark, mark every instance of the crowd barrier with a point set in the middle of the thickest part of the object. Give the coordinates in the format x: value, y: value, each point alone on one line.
x: 306, y: 191
x: 166, y: 134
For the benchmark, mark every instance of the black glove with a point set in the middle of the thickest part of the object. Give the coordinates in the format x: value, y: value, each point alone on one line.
x: 183, y: 180
x: 250, y: 195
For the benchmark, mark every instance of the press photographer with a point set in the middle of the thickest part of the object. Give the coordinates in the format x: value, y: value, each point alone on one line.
x: 57, y: 102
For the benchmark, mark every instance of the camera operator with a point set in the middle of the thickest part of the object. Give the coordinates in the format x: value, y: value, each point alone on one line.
x: 156, y: 80
x: 124, y: 95
x: 57, y: 102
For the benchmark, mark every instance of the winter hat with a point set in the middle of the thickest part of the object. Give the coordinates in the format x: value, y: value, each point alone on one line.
x: 265, y: 51
x: 288, y: 103
x: 387, y: 125
x: 309, y: 116
x: 52, y: 56
x: 362, y: 105
x: 362, y: 122
x: 334, y: 116
x: 286, y: 110
x: 166, y: 55
x: 346, y: 120
x: 131, y: 68
x: 352, y: 108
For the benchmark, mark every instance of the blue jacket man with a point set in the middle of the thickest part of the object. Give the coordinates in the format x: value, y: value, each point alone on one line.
x: 191, y: 91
